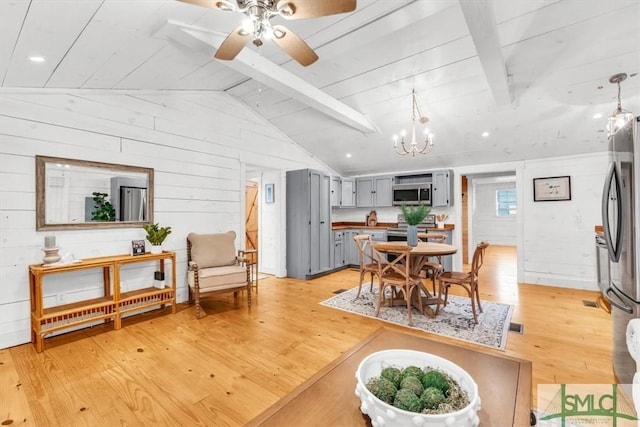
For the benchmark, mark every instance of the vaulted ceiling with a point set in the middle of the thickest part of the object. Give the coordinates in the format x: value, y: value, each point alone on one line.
x: 530, y: 73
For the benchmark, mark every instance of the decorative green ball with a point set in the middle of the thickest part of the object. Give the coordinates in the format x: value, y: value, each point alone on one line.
x: 413, y: 384
x: 435, y: 379
x: 432, y: 397
x: 407, y: 400
x: 412, y: 371
x: 392, y: 374
x: 383, y: 389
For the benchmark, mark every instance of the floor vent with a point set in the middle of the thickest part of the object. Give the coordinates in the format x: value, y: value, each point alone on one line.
x: 590, y: 303
x: 516, y: 327
x: 339, y: 291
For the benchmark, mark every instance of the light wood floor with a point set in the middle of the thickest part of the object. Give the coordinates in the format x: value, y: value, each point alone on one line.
x: 229, y: 366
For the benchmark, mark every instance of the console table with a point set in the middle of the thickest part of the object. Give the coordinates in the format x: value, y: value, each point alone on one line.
x: 111, y: 306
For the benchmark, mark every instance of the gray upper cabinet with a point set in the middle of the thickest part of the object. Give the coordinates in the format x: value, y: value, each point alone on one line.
x: 309, y: 236
x: 336, y: 191
x: 348, y: 193
x: 375, y: 191
x: 442, y: 188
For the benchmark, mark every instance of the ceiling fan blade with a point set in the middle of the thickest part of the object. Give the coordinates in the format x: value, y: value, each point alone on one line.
x: 233, y: 44
x: 303, y: 9
x: 294, y: 45
x: 214, y: 4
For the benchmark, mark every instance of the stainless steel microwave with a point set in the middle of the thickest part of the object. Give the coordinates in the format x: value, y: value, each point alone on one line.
x: 412, y: 194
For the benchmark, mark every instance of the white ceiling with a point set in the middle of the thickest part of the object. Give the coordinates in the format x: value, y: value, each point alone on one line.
x: 530, y: 72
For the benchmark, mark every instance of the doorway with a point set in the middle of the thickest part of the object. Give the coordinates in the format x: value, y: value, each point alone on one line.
x: 251, y: 215
x: 489, y: 211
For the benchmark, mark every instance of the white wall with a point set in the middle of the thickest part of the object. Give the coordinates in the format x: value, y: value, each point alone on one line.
x: 197, y: 143
x: 558, y: 236
x: 271, y: 233
x: 555, y: 240
x: 487, y: 226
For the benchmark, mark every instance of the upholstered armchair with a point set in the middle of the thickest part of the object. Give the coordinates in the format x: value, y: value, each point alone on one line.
x: 215, y: 267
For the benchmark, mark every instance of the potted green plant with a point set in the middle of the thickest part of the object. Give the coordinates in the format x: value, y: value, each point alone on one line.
x: 414, y: 215
x: 156, y: 235
x: 104, y: 210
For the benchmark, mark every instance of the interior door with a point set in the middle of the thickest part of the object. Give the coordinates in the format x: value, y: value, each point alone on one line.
x: 251, y: 215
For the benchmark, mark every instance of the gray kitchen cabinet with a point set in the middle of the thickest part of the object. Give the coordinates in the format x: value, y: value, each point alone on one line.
x: 348, y: 193
x: 338, y: 249
x: 442, y: 188
x: 350, y: 248
x: 336, y: 191
x: 375, y: 191
x: 309, y: 237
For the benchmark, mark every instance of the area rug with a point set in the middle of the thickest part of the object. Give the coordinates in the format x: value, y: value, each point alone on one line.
x: 455, y: 320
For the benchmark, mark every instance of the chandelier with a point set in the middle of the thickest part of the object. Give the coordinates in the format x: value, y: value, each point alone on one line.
x: 619, y: 117
x: 412, y: 147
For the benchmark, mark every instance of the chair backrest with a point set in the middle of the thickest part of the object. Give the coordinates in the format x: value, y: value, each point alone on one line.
x: 366, y: 253
x: 478, y: 258
x: 212, y: 250
x: 399, y: 268
x: 432, y: 237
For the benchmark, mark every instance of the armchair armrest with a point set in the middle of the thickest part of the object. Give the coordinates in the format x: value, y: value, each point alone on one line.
x: 193, y: 266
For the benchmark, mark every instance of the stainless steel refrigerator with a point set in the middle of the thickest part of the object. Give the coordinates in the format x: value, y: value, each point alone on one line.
x: 133, y: 204
x: 621, y: 224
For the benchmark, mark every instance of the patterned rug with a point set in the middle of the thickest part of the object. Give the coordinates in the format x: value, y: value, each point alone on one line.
x: 455, y: 320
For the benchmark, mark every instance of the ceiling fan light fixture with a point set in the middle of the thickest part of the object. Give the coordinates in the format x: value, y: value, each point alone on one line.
x: 227, y: 6
x: 247, y: 26
x: 400, y: 146
x: 278, y: 33
x: 619, y: 117
x: 287, y: 10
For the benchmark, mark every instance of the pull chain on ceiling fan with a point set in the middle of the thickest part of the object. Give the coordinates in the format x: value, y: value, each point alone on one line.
x: 258, y: 25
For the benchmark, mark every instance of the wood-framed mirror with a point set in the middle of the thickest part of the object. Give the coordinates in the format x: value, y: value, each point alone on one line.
x: 73, y: 194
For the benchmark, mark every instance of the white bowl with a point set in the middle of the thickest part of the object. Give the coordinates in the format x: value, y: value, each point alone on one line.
x: 383, y: 414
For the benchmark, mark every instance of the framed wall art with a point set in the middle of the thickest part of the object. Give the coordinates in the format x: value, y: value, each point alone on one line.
x: 552, y: 189
x: 268, y: 193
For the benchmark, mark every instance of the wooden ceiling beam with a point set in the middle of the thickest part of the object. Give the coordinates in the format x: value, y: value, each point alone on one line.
x: 481, y: 22
x: 249, y: 63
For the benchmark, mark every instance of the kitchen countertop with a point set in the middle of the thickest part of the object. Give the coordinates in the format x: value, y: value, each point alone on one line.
x: 380, y: 226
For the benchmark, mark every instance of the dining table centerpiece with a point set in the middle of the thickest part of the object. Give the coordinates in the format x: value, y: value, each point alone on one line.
x: 414, y: 215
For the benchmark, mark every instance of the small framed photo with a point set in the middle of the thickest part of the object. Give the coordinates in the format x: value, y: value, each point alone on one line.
x: 268, y: 193
x: 137, y: 247
x: 552, y: 189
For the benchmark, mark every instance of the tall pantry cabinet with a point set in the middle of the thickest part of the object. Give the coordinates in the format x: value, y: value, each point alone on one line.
x: 309, y: 250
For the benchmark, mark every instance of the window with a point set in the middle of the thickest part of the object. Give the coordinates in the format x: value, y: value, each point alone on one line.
x: 506, y: 202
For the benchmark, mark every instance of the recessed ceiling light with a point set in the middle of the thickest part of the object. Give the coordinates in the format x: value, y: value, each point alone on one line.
x: 597, y: 115
x: 36, y: 58
x: 485, y: 134
x: 349, y: 155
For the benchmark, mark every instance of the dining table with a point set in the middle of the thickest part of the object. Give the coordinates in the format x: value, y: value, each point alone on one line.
x: 419, y: 255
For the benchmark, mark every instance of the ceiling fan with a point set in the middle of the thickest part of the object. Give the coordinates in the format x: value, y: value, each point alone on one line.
x: 258, y: 25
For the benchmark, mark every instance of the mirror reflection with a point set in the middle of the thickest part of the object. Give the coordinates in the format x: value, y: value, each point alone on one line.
x: 82, y: 194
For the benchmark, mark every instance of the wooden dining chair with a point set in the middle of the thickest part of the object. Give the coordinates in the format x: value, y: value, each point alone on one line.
x: 370, y: 260
x: 468, y: 280
x: 396, y: 275
x: 433, y: 268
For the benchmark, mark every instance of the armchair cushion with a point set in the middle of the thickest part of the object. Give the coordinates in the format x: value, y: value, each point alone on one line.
x: 219, y: 278
x: 213, y: 250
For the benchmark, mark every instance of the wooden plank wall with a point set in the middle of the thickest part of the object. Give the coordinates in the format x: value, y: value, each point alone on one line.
x: 195, y: 141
